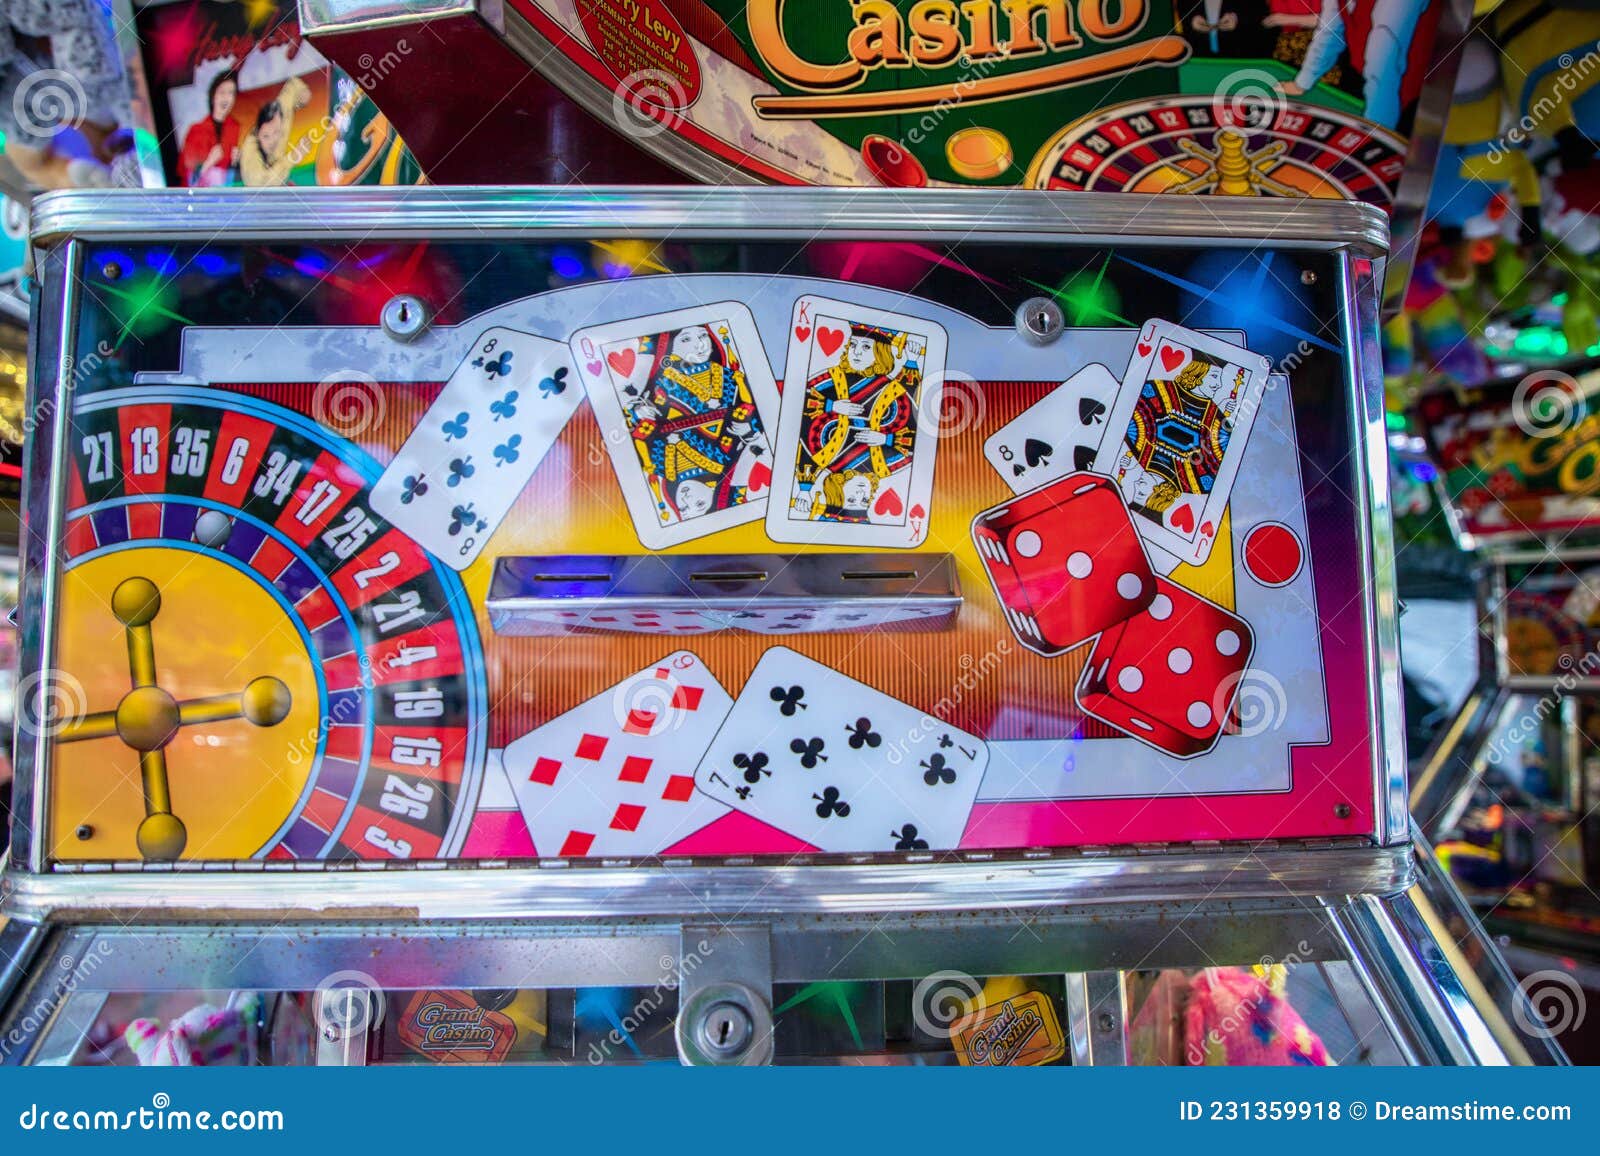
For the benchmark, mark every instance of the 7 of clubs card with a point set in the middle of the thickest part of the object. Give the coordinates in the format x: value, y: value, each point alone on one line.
x: 1177, y: 431
x: 858, y: 430
x: 839, y: 764
x: 456, y: 477
x: 685, y: 402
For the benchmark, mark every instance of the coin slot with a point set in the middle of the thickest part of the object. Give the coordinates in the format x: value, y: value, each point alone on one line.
x: 572, y: 577
x: 729, y: 576
x: 878, y: 575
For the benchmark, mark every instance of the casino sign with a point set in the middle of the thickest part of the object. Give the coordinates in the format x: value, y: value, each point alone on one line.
x: 1110, y: 95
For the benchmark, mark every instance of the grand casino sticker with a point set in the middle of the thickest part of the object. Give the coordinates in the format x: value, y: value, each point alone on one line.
x: 1020, y: 1031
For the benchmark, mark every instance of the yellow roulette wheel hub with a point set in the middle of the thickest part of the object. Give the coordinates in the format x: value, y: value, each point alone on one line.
x: 199, y: 638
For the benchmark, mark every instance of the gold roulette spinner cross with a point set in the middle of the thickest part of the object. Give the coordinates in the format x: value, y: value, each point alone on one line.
x: 148, y: 717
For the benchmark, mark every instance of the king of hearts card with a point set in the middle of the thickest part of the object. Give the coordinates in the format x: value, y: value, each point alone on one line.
x: 307, y: 526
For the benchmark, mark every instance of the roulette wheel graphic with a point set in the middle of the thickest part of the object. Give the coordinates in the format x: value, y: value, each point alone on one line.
x: 261, y: 666
x: 1196, y: 144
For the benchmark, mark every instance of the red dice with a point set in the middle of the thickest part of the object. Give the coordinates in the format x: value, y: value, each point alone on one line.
x: 1066, y: 561
x: 1168, y: 675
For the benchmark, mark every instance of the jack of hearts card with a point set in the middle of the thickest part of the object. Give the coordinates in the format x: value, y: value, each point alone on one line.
x: 1177, y: 431
x: 857, y: 432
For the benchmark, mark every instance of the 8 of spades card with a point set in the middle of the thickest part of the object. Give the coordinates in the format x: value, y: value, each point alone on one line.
x: 1056, y: 435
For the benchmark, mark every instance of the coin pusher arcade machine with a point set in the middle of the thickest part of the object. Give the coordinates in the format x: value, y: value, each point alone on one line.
x: 1507, y: 794
x: 520, y: 625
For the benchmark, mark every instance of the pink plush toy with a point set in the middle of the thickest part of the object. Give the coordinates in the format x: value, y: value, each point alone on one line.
x: 203, y: 1036
x: 1236, y: 1018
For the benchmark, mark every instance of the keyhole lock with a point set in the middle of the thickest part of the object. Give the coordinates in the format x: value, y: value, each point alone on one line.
x: 725, y: 1024
x: 1040, y: 321
x: 405, y: 317
x: 726, y: 1030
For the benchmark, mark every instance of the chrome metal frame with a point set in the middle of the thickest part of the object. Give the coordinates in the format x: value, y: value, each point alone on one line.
x: 1021, y: 883
x: 504, y: 214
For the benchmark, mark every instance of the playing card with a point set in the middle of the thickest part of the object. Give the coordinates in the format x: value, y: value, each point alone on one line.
x: 857, y: 432
x: 1180, y: 423
x: 615, y: 775
x: 1057, y: 435
x: 685, y: 402
x: 839, y: 764
x: 457, y: 475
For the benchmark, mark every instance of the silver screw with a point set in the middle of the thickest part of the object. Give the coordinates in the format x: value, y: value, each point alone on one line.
x: 1040, y: 320
x: 405, y: 317
x: 1307, y: 277
x: 1105, y: 1022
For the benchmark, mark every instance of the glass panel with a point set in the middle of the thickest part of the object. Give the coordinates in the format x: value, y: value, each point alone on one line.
x: 1277, y: 1015
x: 379, y: 684
x: 1304, y: 1014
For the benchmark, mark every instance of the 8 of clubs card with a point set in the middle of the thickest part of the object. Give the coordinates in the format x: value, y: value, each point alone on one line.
x: 1178, y: 428
x: 456, y: 477
x: 858, y: 430
x: 685, y: 402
